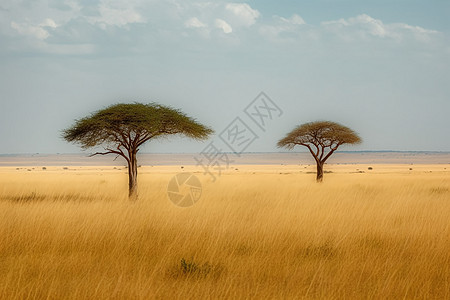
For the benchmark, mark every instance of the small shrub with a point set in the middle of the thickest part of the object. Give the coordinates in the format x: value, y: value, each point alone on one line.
x: 439, y: 190
x: 369, y: 168
x: 243, y: 250
x: 191, y: 269
x: 321, y: 251
x: 44, y: 168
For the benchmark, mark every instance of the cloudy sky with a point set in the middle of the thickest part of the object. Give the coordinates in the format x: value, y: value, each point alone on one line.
x: 380, y: 67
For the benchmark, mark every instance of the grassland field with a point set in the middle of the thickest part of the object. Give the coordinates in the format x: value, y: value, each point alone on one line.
x: 258, y: 232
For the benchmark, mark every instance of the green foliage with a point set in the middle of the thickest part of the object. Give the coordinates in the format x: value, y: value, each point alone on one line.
x: 131, y: 125
x: 321, y: 134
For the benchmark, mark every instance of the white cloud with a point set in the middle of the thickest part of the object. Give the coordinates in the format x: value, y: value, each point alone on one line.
x: 79, y: 22
x: 116, y: 13
x: 415, y: 29
x: 30, y: 30
x: 419, y: 33
x: 201, y: 28
x: 194, y: 23
x: 221, y: 24
x: 283, y: 28
x: 368, y: 24
x: 364, y: 26
x: 242, y: 14
x: 361, y: 27
x: 48, y: 23
x: 294, y: 20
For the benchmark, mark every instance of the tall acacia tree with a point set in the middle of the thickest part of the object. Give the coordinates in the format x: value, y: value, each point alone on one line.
x: 123, y: 128
x: 322, y: 138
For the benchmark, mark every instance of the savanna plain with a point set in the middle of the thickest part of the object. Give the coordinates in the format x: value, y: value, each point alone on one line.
x: 257, y: 232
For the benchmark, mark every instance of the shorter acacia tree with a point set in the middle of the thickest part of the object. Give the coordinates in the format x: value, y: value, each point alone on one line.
x: 322, y: 138
x: 123, y: 128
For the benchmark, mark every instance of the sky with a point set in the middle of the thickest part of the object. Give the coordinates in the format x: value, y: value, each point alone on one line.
x: 379, y: 67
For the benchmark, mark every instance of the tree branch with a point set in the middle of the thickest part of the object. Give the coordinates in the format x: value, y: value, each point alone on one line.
x: 143, y: 140
x: 101, y: 153
x: 329, y: 153
x: 317, y: 150
x: 121, y: 152
x: 322, y: 152
x: 110, y: 151
x: 310, y: 150
x: 136, y: 140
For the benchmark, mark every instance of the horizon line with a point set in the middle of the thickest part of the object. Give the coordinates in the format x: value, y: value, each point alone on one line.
x: 230, y: 152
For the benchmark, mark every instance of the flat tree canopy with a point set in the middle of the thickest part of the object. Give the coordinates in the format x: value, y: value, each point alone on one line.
x: 123, y: 128
x: 123, y: 125
x: 322, y: 138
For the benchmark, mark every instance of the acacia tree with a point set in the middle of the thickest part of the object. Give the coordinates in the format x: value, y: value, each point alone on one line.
x: 123, y: 128
x: 322, y: 138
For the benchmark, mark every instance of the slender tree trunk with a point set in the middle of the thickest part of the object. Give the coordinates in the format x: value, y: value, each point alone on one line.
x: 132, y: 176
x: 319, y: 177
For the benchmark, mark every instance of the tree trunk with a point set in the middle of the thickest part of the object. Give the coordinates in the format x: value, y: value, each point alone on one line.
x: 319, y: 177
x: 132, y: 177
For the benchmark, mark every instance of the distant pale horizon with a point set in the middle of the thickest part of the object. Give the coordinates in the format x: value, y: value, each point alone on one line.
x: 87, y: 153
x: 189, y: 159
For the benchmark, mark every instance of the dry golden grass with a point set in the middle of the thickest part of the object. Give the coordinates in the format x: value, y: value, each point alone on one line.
x: 255, y: 234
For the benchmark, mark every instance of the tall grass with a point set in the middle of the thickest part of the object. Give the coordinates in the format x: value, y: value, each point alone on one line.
x: 74, y: 235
